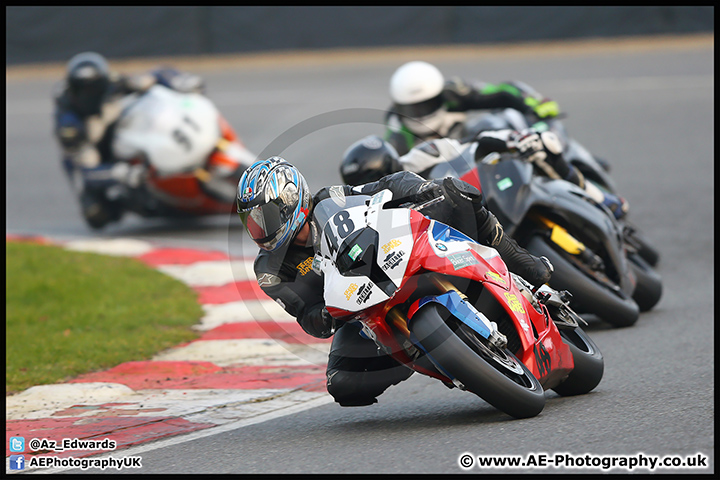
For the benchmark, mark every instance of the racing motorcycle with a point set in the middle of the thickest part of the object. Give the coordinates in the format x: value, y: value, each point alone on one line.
x: 559, y: 220
x: 177, y: 156
x: 447, y: 307
x: 595, y: 169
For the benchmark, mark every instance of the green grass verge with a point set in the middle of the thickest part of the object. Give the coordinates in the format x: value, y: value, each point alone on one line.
x: 70, y: 313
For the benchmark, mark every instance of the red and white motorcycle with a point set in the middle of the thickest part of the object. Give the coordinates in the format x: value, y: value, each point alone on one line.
x: 447, y: 307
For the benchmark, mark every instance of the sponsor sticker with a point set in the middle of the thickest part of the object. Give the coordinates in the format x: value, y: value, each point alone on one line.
x: 504, y: 184
x: 390, y: 245
x: 377, y: 198
x: 515, y: 304
x: 364, y: 293
x: 495, y: 277
x: 462, y: 260
x: 316, y: 264
x: 393, y: 260
x: 354, y: 252
x: 543, y: 359
x: 305, y: 266
x: 350, y: 290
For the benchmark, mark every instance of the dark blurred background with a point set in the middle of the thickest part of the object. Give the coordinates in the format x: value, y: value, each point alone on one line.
x: 51, y: 34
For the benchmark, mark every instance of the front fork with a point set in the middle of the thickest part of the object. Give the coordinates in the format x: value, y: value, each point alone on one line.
x: 558, y: 302
x: 456, y: 302
x: 555, y: 301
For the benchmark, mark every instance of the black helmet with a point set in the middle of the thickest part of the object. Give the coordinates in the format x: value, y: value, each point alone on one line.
x: 88, y: 79
x: 368, y: 160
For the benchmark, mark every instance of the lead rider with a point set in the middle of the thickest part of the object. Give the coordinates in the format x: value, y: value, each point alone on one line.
x: 274, y: 204
x: 425, y: 105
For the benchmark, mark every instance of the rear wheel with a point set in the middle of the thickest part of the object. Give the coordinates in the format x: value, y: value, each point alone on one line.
x: 589, y: 296
x: 589, y: 363
x: 493, y: 374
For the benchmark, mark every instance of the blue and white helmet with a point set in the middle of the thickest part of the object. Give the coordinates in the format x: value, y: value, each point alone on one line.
x: 273, y: 201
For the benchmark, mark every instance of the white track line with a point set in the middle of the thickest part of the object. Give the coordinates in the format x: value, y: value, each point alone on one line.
x: 141, y: 449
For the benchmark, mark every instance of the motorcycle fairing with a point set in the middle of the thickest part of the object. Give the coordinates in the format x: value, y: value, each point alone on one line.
x: 175, y: 131
x: 462, y: 167
x: 511, y: 205
x: 532, y: 326
x: 369, y: 245
x: 430, y: 250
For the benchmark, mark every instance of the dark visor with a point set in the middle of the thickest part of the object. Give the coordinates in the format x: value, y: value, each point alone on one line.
x: 266, y: 223
x: 422, y: 109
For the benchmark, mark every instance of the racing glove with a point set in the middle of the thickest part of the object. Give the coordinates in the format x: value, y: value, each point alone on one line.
x: 544, y: 150
x: 534, y: 146
x: 617, y: 205
x: 330, y: 323
x: 139, y: 82
x: 543, y: 108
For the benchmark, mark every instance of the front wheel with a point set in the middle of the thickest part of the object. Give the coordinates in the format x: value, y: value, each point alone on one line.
x: 98, y: 211
x: 589, y: 364
x: 493, y: 374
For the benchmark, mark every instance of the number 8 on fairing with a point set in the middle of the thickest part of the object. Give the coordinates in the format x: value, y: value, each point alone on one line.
x: 343, y: 223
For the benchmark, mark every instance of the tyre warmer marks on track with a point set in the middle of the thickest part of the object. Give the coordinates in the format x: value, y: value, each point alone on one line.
x: 252, y: 358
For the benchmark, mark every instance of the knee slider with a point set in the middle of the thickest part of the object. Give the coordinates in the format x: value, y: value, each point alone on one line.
x: 347, y: 390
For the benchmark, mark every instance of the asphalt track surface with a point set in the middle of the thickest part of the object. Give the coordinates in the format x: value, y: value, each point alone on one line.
x: 647, y: 106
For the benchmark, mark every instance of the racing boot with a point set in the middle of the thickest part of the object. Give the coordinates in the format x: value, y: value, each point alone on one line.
x: 617, y: 205
x: 535, y: 270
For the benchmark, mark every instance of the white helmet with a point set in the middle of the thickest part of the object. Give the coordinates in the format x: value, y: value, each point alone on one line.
x: 415, y: 89
x: 415, y: 82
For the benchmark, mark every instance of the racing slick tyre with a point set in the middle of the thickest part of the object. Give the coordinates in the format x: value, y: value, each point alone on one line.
x: 589, y: 364
x: 589, y: 296
x: 493, y: 374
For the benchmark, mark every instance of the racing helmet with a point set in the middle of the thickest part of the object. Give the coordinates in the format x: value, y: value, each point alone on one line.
x: 416, y: 91
x: 367, y: 160
x: 273, y: 202
x: 88, y: 79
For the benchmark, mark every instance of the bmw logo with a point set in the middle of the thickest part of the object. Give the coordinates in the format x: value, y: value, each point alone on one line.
x: 441, y: 247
